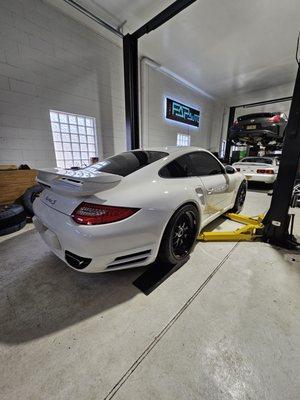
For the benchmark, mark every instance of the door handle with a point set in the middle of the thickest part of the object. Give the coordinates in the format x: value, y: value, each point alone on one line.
x: 217, y: 189
x: 200, y: 195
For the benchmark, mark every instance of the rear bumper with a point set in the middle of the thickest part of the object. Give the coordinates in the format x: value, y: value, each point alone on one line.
x: 260, y: 177
x: 130, y: 243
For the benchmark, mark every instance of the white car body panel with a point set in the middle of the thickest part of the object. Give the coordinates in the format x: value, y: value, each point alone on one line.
x: 156, y: 197
x: 249, y: 170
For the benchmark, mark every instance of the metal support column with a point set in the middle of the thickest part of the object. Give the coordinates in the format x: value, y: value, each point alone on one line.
x: 228, y: 140
x: 130, y: 54
x: 277, y: 219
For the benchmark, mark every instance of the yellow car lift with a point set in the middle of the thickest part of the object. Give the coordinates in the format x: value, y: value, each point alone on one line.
x: 251, y: 231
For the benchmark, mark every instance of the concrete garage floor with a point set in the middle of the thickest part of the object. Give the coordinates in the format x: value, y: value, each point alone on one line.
x: 224, y: 326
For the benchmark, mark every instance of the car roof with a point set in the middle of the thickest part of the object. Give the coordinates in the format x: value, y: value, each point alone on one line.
x: 152, y: 168
x: 173, y: 149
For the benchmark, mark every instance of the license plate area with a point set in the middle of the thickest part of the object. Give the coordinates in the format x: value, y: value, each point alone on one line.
x: 251, y: 127
x: 39, y: 226
x: 248, y: 177
x: 51, y: 239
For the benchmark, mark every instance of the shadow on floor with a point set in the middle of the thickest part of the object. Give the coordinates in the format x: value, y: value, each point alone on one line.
x: 259, y: 187
x: 215, y: 225
x: 40, y: 294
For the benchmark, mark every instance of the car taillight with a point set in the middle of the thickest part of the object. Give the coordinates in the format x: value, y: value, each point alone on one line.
x: 238, y: 169
x: 97, y: 214
x: 235, y: 123
x: 275, y: 119
x: 265, y: 171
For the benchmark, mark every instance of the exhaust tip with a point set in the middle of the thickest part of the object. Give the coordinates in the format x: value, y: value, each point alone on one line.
x: 76, y: 261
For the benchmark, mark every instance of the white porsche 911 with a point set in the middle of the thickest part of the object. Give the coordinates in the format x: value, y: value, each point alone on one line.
x: 135, y: 207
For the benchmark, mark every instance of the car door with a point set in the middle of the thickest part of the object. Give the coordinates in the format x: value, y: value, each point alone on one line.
x: 180, y: 172
x: 214, y: 180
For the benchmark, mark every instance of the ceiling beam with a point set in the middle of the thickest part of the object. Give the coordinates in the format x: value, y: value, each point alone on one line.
x: 265, y: 102
x: 163, y: 17
x: 92, y: 16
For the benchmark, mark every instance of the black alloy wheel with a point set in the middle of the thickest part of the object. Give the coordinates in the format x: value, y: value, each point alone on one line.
x: 240, y: 198
x: 183, y: 234
x: 180, y: 235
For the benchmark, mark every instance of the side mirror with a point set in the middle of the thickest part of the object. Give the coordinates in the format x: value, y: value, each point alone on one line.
x: 230, y: 170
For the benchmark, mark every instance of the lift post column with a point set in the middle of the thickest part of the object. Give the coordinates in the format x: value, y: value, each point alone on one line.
x: 229, y: 141
x: 277, y: 220
x: 130, y: 55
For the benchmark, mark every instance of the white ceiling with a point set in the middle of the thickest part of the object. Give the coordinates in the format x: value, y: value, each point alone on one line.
x: 223, y: 47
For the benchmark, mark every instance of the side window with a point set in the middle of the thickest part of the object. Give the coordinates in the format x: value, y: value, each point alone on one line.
x: 204, y: 164
x: 178, y: 168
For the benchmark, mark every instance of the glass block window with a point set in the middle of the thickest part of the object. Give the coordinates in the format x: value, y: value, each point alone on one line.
x: 183, y: 139
x: 74, y: 138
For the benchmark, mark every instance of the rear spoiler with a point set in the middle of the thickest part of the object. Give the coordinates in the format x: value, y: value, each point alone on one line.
x: 77, y: 183
x: 246, y: 164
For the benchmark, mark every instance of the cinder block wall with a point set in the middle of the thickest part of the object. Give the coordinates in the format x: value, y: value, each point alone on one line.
x: 49, y: 61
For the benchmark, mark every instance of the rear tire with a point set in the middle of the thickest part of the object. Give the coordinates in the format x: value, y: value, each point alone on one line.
x: 180, y: 235
x: 240, y: 198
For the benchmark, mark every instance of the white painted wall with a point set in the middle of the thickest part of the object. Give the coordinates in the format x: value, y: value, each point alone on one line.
x: 218, y: 116
x: 49, y: 61
x: 156, y: 129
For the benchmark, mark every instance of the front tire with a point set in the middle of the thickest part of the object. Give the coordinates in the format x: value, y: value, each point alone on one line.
x: 180, y: 235
x: 240, y: 198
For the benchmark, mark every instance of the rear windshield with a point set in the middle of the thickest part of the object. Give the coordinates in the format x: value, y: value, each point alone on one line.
x: 258, y: 115
x: 260, y: 160
x: 126, y: 163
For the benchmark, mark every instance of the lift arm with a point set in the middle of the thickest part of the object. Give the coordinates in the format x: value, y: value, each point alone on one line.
x: 251, y: 231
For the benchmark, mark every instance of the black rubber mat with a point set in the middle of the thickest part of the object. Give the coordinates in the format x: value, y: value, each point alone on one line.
x: 155, y: 275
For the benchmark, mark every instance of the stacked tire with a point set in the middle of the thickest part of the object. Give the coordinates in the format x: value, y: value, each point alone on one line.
x: 29, y: 196
x: 12, y: 218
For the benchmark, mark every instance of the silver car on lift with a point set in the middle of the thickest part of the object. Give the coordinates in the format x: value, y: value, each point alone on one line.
x: 260, y: 127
